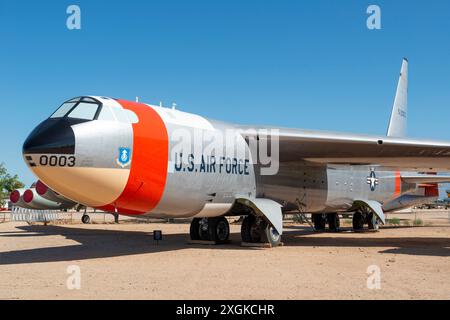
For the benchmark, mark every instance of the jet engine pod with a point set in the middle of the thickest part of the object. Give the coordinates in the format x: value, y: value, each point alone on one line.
x: 35, y: 201
x: 16, y: 198
x: 45, y: 192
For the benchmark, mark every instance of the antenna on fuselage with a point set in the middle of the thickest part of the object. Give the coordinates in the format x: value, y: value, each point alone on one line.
x: 174, y: 106
x: 137, y: 99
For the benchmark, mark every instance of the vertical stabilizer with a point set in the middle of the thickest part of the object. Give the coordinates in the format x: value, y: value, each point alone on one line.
x: 399, y: 116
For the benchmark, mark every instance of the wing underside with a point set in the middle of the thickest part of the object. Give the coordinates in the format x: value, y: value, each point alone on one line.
x: 338, y: 148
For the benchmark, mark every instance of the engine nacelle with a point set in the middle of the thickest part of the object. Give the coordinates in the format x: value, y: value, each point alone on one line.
x: 16, y: 198
x: 35, y: 201
x: 45, y: 192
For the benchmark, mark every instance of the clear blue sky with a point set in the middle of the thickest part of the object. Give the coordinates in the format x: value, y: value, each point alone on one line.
x: 306, y: 64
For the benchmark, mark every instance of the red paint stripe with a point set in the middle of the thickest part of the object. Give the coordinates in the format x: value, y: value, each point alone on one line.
x: 149, y: 162
x: 432, y: 191
x: 398, y: 184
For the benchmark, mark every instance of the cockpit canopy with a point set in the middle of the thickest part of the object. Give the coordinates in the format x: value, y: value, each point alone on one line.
x: 88, y: 108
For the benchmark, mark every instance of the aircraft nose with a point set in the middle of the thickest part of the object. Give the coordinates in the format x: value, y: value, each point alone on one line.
x: 53, y: 136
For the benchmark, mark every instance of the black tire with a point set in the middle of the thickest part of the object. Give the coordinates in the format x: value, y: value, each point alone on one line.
x: 372, y: 221
x: 358, y: 221
x: 194, y: 230
x: 246, y: 228
x: 203, y: 229
x: 334, y: 222
x: 252, y: 229
x: 85, y: 219
x: 319, y: 221
x: 218, y: 229
x: 256, y: 230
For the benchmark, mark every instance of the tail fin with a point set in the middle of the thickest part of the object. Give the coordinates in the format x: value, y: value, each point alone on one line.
x: 399, y: 116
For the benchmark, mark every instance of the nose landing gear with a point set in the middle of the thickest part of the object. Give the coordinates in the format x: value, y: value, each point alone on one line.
x: 85, y: 219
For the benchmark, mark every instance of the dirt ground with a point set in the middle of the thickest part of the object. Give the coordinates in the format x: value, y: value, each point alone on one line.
x: 123, y: 262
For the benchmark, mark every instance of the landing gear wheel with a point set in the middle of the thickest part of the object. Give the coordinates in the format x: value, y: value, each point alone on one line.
x: 256, y: 230
x: 250, y: 230
x: 320, y: 221
x: 272, y: 236
x: 334, y: 223
x: 358, y: 221
x: 210, y: 229
x: 194, y: 230
x: 218, y: 229
x: 372, y: 221
x: 203, y: 229
x: 85, y: 219
x: 199, y: 229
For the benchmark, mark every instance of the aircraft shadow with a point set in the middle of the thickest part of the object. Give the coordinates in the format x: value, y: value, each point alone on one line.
x: 419, y: 246
x: 97, y: 243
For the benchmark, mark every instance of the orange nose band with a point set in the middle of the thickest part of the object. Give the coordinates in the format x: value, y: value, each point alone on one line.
x: 149, y: 162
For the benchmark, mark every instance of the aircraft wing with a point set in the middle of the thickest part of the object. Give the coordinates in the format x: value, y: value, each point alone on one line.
x: 425, y: 179
x: 340, y: 148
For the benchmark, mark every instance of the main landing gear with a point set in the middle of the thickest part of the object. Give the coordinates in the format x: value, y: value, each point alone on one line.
x: 210, y: 229
x: 365, y: 216
x: 257, y: 230
x: 320, y: 221
x: 253, y: 230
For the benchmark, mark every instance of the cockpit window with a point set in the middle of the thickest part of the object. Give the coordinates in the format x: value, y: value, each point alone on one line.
x: 106, y: 114
x: 79, y: 108
x: 84, y: 110
x: 87, y: 108
x: 63, y: 110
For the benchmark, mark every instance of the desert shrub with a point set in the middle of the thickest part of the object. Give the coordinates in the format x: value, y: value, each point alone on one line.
x: 394, y: 221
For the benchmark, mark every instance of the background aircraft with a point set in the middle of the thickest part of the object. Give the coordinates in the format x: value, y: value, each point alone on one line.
x: 40, y: 197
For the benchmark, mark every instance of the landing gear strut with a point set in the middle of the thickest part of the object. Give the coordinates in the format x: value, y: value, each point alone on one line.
x: 256, y: 230
x: 210, y: 229
x: 372, y: 221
